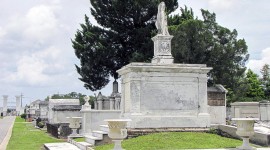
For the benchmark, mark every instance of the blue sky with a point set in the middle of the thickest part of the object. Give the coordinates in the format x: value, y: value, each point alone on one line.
x: 36, y: 55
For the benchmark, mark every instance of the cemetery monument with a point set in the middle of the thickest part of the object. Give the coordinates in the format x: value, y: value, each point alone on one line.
x: 162, y: 94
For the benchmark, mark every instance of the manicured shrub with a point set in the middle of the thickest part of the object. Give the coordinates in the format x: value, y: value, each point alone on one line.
x: 23, y: 116
x: 40, y: 124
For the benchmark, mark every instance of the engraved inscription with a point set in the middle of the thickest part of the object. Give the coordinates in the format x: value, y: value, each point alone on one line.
x: 170, y: 96
x: 164, y: 47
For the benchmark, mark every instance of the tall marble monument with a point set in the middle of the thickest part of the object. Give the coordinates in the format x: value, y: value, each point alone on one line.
x: 162, y: 41
x: 162, y: 94
x: 18, y: 105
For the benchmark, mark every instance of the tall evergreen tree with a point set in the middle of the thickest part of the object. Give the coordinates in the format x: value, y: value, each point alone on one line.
x: 265, y: 72
x: 266, y: 80
x: 123, y: 35
x: 205, y: 42
x: 249, y: 89
x: 254, y: 85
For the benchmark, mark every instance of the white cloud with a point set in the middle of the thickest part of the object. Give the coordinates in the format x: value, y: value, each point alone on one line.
x: 38, y: 68
x: 2, y: 32
x: 222, y: 5
x: 257, y: 64
x: 41, y: 22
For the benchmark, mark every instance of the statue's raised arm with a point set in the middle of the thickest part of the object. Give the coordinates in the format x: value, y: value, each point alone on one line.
x: 161, y: 22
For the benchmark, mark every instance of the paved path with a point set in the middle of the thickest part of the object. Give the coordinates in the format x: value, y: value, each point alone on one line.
x: 60, y: 146
x: 6, y: 125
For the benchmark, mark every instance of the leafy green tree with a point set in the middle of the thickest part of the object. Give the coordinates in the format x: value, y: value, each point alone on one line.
x: 123, y: 35
x: 205, y: 42
x: 249, y: 89
x: 72, y: 95
x: 266, y: 80
x: 265, y: 72
x: 254, y: 85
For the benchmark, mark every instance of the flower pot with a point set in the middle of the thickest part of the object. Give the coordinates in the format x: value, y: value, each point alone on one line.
x: 74, y: 124
x: 117, y: 131
x: 245, y: 129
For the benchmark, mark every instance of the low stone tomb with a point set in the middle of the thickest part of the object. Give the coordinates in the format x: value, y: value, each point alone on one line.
x: 245, y: 109
x: 216, y: 99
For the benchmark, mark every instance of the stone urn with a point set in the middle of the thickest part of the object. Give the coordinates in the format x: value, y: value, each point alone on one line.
x: 74, y: 124
x: 245, y: 129
x: 117, y: 131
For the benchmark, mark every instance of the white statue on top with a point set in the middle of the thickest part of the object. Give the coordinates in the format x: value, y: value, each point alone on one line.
x: 86, y: 100
x: 161, y: 22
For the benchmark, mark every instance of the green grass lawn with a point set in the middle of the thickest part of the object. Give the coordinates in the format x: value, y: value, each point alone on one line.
x: 82, y: 139
x: 26, y: 137
x: 176, y: 140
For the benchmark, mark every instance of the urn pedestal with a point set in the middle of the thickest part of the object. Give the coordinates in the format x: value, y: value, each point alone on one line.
x: 245, y: 129
x: 117, y: 131
x: 74, y: 124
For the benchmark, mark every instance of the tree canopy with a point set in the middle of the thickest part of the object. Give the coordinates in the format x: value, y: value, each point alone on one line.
x: 266, y: 80
x: 72, y: 95
x: 123, y: 34
x: 205, y: 42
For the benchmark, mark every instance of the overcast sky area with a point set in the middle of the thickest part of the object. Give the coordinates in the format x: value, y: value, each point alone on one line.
x: 36, y: 54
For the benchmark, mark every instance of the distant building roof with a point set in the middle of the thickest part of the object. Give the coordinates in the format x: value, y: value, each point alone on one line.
x: 44, y: 103
x: 217, y: 88
x: 36, y: 102
x: 67, y: 108
x: 65, y: 101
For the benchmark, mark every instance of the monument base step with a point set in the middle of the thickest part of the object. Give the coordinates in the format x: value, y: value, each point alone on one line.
x: 144, y: 131
x: 84, y: 145
x: 147, y: 121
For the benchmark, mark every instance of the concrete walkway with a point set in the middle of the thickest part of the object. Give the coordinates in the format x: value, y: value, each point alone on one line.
x: 6, y: 125
x: 60, y: 146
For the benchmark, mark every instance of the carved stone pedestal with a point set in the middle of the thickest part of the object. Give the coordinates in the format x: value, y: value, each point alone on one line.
x: 162, y: 49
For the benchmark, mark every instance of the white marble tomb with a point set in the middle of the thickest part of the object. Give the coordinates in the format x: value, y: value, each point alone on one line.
x: 165, y: 95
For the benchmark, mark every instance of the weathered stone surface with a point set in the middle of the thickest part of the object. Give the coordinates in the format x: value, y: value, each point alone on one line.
x: 59, y: 109
x: 18, y: 105
x: 67, y: 108
x: 162, y: 49
x: 92, y: 119
x: 60, y: 146
x: 264, y: 109
x: 216, y: 96
x: 139, y: 132
x: 165, y: 95
x: 217, y: 114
